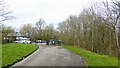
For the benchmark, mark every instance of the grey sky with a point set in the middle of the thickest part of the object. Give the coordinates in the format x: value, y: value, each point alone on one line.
x: 52, y: 11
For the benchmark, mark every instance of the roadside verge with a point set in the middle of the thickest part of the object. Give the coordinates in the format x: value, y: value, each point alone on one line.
x: 15, y: 52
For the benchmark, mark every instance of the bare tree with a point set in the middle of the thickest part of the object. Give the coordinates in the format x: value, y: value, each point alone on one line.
x: 113, y: 15
x: 93, y: 29
x: 26, y: 30
x: 40, y: 26
x: 117, y: 21
x: 4, y: 13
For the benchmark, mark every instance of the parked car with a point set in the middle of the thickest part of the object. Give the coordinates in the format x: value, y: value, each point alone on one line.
x: 38, y: 41
x: 16, y: 41
x: 23, y: 40
x: 55, y: 42
x: 26, y: 41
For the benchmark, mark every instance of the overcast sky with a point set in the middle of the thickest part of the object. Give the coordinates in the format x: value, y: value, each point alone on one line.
x: 52, y: 11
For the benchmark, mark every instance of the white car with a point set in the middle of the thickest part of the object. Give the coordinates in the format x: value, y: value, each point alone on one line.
x: 16, y: 41
x: 23, y: 40
x: 27, y: 41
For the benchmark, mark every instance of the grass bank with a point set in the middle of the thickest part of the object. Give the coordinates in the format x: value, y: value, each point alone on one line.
x: 0, y: 55
x: 14, y: 52
x: 93, y: 59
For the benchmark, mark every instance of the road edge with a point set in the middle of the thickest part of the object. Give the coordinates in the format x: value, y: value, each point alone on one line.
x: 23, y: 58
x: 84, y: 61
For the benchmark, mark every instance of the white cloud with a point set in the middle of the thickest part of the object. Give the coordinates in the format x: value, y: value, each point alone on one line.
x: 52, y: 11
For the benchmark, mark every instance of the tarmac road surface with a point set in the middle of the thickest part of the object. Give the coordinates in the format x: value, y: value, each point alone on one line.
x: 51, y: 56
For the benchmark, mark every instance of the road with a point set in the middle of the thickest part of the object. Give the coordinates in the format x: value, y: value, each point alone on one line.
x: 51, y: 56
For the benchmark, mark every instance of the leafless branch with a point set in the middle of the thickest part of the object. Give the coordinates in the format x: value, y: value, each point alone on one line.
x: 4, y: 14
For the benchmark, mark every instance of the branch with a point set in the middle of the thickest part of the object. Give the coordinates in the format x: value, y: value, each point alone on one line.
x: 118, y: 4
x: 5, y: 13
x: 7, y: 18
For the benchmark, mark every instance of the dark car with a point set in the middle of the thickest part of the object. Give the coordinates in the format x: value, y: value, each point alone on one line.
x: 55, y: 42
x: 38, y: 41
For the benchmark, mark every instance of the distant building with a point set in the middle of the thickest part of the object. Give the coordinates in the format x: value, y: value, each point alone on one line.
x: 13, y: 37
x: 17, y: 36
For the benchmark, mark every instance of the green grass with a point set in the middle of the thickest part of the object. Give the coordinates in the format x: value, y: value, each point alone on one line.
x: 93, y: 59
x: 13, y: 52
x: 0, y: 55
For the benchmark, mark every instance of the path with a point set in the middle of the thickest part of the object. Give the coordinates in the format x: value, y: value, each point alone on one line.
x: 51, y: 56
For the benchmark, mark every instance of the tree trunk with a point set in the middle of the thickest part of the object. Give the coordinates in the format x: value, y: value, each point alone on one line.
x: 118, y: 42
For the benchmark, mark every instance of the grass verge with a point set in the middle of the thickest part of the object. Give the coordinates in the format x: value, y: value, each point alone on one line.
x: 0, y: 55
x: 93, y: 59
x: 14, y: 52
